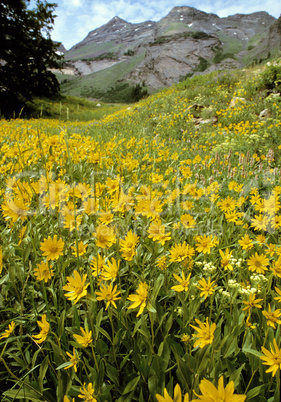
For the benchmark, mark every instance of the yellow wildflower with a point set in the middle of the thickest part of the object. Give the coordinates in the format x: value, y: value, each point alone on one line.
x: 177, y: 396
x: 52, y: 247
x: 212, y: 394
x: 76, y: 287
x: 85, y: 339
x: 139, y: 299
x: 8, y: 331
x: 272, y: 359
x: 45, y: 328
x: 205, y: 333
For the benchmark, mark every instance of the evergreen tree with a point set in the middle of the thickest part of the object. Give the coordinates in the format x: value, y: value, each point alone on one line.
x: 26, y: 53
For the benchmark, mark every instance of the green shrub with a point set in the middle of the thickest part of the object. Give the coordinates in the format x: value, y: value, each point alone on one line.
x: 129, y: 52
x: 271, y: 78
x: 203, y: 64
x: 219, y: 57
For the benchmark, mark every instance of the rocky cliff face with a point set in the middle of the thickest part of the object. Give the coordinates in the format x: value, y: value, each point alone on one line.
x: 274, y: 36
x: 184, y: 42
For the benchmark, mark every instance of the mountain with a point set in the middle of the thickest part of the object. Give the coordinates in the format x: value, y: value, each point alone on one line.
x: 187, y: 41
x: 61, y: 49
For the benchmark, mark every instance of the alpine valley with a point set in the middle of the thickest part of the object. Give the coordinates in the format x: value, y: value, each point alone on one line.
x: 121, y: 59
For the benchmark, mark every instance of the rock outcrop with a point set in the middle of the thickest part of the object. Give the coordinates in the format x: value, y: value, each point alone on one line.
x: 274, y: 35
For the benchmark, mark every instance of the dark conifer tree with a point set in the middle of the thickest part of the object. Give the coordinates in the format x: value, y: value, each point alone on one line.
x: 26, y: 53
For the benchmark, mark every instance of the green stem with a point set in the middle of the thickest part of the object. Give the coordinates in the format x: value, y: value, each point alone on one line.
x: 278, y: 380
x: 265, y: 336
x: 58, y: 341
x: 251, y: 379
x: 22, y: 382
x: 212, y: 358
x: 113, y: 333
x: 46, y: 300
x: 152, y: 331
x: 95, y: 359
x: 211, y: 306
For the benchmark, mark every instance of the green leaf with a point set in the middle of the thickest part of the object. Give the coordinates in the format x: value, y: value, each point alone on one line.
x: 98, y: 321
x: 125, y: 398
x: 156, y: 287
x: 144, y: 366
x: 63, y: 365
x: 112, y: 373
x: 152, y: 384
x: 151, y: 308
x: 141, y: 398
x: 257, y: 391
x: 144, y: 333
x: 64, y: 384
x: 35, y: 355
x: 231, y: 348
x: 191, y: 362
x: 27, y: 253
x: 24, y: 393
x: 100, y: 375
x: 165, y: 353
x: 169, y: 323
x: 131, y: 385
x: 42, y: 372
x: 176, y: 348
x: 137, y: 325
x: 61, y: 324
x: 252, y: 351
x: 102, y: 331
x: 204, y: 358
x: 160, y: 349
x: 101, y: 348
x: 235, y: 375
x: 91, y: 297
x: 183, y: 372
x: 127, y: 357
x: 228, y: 316
x: 4, y: 279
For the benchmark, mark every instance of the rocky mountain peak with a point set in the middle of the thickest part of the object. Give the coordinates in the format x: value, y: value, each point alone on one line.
x: 187, y: 18
x: 116, y: 23
x: 185, y: 13
x: 261, y: 17
x: 186, y: 41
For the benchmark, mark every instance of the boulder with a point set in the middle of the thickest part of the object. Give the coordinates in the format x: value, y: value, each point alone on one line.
x: 236, y: 100
x: 265, y: 114
x: 199, y: 121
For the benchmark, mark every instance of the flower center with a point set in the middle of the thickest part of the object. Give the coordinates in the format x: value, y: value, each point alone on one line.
x: 79, y: 289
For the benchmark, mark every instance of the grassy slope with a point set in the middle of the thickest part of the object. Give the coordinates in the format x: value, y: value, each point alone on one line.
x: 72, y: 108
x: 201, y: 89
x: 102, y: 80
x: 87, y: 51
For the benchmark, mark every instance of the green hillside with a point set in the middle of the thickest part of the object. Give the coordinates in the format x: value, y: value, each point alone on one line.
x: 105, y: 84
x: 86, y: 52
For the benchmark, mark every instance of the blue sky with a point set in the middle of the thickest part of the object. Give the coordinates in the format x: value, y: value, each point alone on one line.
x: 75, y: 18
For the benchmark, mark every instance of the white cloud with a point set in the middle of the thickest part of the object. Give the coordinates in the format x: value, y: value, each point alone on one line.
x: 75, y: 3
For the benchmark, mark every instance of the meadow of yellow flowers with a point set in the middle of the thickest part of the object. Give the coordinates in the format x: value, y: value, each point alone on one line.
x: 140, y: 254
